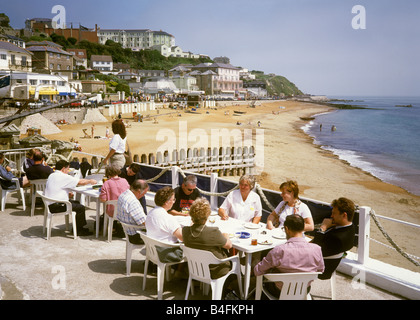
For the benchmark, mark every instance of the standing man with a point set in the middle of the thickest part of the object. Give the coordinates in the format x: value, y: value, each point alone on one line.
x: 185, y: 196
x: 130, y: 210
x: 58, y: 187
x: 296, y: 255
x: 336, y: 234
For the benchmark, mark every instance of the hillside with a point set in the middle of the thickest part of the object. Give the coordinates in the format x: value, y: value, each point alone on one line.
x: 277, y: 85
x: 153, y: 60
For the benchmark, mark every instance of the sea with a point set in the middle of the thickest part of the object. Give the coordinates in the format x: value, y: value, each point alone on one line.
x: 382, y: 139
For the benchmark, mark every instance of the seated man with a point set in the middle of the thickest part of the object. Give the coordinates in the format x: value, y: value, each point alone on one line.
x: 130, y: 210
x: 336, y: 234
x: 296, y: 255
x: 132, y: 173
x: 85, y: 167
x: 185, y: 196
x: 6, y: 176
x: 38, y: 170
x: 58, y: 187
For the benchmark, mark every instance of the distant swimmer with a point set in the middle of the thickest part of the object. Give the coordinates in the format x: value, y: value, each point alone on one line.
x: 320, y: 127
x: 333, y: 128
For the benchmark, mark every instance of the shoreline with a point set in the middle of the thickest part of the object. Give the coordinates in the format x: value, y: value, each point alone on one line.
x: 289, y: 153
x: 333, y: 155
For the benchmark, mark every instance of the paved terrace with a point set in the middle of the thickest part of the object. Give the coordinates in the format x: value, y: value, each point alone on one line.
x: 95, y: 269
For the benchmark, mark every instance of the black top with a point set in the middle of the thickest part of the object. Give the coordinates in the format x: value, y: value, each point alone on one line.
x: 38, y: 171
x: 182, y: 200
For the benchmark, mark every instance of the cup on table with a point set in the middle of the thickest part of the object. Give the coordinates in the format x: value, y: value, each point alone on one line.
x: 104, y: 179
x: 254, y: 240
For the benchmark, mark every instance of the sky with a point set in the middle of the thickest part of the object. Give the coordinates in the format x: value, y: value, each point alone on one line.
x: 317, y: 44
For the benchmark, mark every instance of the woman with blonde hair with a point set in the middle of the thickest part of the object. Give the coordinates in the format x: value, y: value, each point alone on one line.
x: 243, y: 204
x: 290, y: 204
x: 200, y: 236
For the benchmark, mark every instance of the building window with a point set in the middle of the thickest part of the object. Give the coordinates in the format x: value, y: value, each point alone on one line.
x: 58, y: 66
x: 23, y: 61
x: 3, y: 56
x: 33, y: 82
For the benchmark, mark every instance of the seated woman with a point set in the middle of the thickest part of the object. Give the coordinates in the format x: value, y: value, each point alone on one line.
x: 163, y: 226
x: 113, y: 187
x: 288, y: 206
x: 200, y: 236
x: 243, y: 204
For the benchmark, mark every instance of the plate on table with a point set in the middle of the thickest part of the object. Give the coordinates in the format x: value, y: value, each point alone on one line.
x: 251, y: 225
x: 278, y: 234
x: 214, y: 213
x: 243, y: 235
x: 265, y: 241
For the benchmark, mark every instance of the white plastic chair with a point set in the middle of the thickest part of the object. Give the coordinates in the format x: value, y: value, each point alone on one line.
x: 129, y: 247
x: 48, y: 215
x: 333, y: 278
x: 295, y: 285
x: 109, y: 221
x: 17, y: 188
x: 36, y: 185
x: 152, y: 255
x: 198, y: 267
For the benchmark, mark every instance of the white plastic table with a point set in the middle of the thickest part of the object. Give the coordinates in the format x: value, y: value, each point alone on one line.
x: 89, y: 191
x: 265, y: 239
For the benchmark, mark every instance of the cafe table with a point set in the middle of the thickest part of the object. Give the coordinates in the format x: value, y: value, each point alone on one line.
x: 238, y: 232
x: 93, y: 192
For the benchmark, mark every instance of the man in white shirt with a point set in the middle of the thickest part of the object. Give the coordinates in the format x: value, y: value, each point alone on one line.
x: 58, y: 187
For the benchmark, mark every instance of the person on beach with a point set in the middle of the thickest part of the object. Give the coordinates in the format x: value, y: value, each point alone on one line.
x: 243, y: 204
x: 200, y: 236
x: 130, y: 211
x: 58, y: 185
x: 296, y: 255
x: 336, y: 234
x: 185, y: 196
x: 290, y: 204
x: 29, y: 160
x: 117, y: 145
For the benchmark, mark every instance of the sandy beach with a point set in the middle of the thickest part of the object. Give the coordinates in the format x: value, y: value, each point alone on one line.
x: 288, y: 154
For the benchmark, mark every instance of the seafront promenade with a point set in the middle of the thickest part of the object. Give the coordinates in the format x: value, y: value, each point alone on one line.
x: 90, y: 268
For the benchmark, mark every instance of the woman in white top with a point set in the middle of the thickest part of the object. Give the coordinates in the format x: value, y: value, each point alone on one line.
x: 117, y: 145
x: 290, y: 205
x: 159, y: 223
x: 243, y: 204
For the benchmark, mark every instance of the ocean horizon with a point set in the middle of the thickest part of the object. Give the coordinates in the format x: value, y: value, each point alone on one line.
x: 382, y: 139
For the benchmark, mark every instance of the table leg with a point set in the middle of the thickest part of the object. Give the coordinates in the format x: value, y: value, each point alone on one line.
x: 98, y: 216
x: 247, y: 276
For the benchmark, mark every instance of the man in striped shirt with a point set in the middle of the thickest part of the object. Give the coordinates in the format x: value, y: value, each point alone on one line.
x: 130, y: 210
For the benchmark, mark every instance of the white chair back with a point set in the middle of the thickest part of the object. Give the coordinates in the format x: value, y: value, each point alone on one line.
x: 36, y: 185
x: 48, y: 215
x: 295, y: 285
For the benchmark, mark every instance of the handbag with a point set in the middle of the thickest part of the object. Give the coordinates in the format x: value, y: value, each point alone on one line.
x: 128, y: 156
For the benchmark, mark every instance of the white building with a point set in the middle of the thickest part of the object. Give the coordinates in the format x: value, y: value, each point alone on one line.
x: 29, y: 85
x: 136, y: 39
x: 102, y: 63
x: 15, y: 58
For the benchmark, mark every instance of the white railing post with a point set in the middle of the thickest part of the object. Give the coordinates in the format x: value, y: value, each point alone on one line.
x: 175, y: 177
x: 213, y: 189
x: 364, y: 235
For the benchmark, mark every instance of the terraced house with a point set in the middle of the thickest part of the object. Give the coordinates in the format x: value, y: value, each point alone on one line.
x: 136, y: 39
